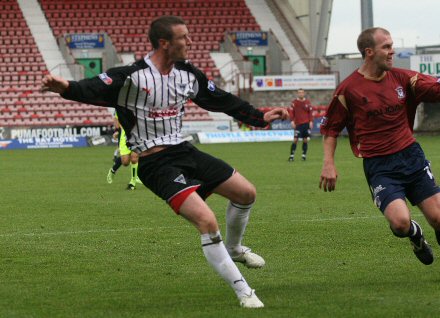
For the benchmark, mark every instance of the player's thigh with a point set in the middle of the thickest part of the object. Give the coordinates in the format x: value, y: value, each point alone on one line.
x: 196, y: 211
x: 237, y: 189
x: 430, y: 207
x: 398, y: 214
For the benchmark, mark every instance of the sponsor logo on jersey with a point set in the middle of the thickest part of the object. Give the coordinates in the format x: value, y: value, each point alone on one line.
x: 105, y: 78
x: 324, y: 121
x: 180, y: 179
x: 384, y: 110
x: 158, y: 113
x: 400, y: 92
x: 211, y: 86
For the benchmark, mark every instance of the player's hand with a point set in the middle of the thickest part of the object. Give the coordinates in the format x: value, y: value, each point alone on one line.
x: 276, y: 113
x: 311, y: 125
x: 51, y: 83
x: 329, y: 175
x: 293, y: 124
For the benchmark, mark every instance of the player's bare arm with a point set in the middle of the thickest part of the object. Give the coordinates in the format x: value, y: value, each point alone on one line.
x: 51, y: 83
x: 329, y: 174
x: 276, y: 113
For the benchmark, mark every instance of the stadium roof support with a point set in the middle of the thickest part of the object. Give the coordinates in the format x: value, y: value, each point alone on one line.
x: 366, y: 14
x: 310, y: 22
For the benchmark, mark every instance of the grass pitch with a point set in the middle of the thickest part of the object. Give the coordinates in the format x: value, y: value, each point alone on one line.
x: 72, y: 245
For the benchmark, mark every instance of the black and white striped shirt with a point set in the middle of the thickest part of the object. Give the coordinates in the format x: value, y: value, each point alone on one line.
x: 150, y: 105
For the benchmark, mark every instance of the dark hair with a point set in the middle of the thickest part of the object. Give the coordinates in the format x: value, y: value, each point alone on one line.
x: 160, y: 28
x: 366, y: 39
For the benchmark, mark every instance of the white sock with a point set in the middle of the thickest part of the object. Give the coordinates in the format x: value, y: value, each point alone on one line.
x: 217, y: 255
x: 237, y: 217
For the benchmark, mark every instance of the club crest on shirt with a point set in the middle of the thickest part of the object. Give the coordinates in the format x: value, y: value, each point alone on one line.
x: 211, y: 86
x: 105, y: 78
x: 400, y: 92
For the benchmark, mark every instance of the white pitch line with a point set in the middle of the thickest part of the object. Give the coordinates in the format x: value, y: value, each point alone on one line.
x: 90, y: 231
x: 173, y: 227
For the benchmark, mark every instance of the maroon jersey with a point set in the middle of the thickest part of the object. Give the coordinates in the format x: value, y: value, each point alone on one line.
x: 301, y: 111
x: 379, y: 114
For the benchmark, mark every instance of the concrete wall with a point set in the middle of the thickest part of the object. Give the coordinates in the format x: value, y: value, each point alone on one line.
x: 284, y: 98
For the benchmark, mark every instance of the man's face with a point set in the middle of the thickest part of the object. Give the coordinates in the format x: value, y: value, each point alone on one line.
x: 179, y: 45
x: 382, y: 53
x: 300, y: 94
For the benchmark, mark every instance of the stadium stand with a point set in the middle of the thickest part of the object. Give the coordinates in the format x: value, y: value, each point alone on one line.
x: 21, y: 69
x: 126, y: 22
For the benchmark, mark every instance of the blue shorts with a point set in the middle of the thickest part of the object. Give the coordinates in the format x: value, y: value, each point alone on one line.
x: 405, y: 174
x: 302, y: 131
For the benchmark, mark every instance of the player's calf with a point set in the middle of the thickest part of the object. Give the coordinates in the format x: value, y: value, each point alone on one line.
x: 422, y: 250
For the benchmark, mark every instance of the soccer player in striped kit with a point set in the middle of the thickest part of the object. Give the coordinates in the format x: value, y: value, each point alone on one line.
x: 149, y: 97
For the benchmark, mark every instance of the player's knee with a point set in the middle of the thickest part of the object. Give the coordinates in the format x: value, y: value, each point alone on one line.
x: 134, y: 158
x: 248, y: 194
x: 435, y: 221
x: 125, y: 161
x: 207, y: 223
x: 400, y: 226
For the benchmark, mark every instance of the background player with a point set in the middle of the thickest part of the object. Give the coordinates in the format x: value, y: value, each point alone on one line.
x: 126, y: 157
x: 302, y: 122
x: 377, y: 105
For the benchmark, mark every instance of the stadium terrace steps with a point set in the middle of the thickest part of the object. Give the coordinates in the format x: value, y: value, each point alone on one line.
x: 44, y: 39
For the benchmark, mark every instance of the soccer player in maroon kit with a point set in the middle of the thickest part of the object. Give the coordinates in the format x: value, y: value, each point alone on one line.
x: 377, y: 106
x: 302, y: 122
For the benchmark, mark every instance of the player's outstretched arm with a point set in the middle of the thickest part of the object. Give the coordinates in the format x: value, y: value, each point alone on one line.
x: 51, y: 83
x: 329, y: 174
x: 276, y: 113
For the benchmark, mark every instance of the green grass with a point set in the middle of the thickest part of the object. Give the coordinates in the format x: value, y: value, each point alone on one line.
x: 72, y: 245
